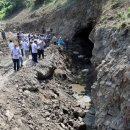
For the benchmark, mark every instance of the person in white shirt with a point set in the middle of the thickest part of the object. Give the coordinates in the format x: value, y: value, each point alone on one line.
x: 21, y: 47
x: 34, y: 51
x: 15, y: 53
x: 11, y: 45
x: 25, y: 46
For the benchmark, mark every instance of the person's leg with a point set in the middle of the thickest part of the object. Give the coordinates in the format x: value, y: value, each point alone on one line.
x: 39, y: 53
x: 42, y: 52
x: 17, y: 62
x: 36, y: 58
x: 22, y: 52
x: 26, y: 55
x: 33, y: 58
x: 21, y: 61
x: 5, y: 38
x: 14, y: 61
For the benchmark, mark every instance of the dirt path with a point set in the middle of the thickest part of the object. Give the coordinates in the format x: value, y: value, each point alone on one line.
x: 5, y: 70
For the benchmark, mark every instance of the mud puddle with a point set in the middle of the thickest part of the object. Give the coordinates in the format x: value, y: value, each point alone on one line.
x: 79, y: 93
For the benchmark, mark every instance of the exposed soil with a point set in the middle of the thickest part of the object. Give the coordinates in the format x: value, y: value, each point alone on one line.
x: 29, y: 103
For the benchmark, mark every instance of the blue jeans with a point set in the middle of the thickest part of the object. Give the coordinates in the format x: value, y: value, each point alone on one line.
x: 20, y: 61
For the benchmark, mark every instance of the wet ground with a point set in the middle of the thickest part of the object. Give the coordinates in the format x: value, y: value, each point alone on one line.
x: 85, y: 102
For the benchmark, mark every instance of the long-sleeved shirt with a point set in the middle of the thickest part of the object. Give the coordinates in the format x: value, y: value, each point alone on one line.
x: 34, y: 48
x: 41, y: 46
x: 15, y: 53
x: 25, y: 46
x: 11, y: 46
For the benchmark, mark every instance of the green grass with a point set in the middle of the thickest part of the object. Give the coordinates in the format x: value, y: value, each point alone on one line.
x: 123, y: 17
x: 9, y: 7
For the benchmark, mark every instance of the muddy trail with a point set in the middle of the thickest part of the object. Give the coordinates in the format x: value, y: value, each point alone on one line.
x: 42, y: 96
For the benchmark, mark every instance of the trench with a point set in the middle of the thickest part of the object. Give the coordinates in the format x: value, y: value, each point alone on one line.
x: 82, y: 55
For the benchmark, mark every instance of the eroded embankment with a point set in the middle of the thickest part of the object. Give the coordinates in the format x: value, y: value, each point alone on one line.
x: 40, y: 96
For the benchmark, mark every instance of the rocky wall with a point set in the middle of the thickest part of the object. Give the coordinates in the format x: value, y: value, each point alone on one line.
x: 111, y: 91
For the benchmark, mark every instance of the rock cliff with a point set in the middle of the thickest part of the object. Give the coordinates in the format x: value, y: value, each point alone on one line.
x: 111, y: 55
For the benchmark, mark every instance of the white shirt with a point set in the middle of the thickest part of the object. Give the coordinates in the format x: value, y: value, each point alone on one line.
x: 25, y: 46
x: 15, y: 53
x: 11, y: 46
x: 34, y: 48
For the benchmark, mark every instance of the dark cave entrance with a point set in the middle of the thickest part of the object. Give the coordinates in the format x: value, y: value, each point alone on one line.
x: 82, y: 41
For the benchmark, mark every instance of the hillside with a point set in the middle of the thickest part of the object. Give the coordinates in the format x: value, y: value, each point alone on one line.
x: 98, y: 30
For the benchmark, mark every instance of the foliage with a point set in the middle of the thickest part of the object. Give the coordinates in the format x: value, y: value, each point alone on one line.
x: 123, y: 18
x: 9, y: 7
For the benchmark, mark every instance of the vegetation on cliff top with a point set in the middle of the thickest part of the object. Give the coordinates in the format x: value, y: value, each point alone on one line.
x: 9, y: 7
x: 116, y: 13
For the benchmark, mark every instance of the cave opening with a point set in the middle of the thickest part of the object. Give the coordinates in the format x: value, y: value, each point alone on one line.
x: 84, y: 44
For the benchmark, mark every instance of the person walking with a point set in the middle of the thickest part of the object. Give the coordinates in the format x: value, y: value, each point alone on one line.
x: 54, y: 39
x: 60, y: 41
x: 21, y: 47
x: 41, y: 47
x: 20, y: 56
x: 20, y: 60
x: 34, y: 51
x: 3, y: 35
x: 25, y: 46
x: 11, y: 45
x: 48, y: 39
x: 15, y: 53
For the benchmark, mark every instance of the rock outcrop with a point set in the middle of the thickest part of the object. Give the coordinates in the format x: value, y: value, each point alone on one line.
x: 111, y: 90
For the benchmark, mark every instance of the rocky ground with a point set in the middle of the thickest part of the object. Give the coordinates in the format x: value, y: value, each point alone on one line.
x: 39, y: 96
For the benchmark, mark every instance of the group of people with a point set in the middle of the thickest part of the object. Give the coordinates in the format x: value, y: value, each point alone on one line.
x: 34, y: 44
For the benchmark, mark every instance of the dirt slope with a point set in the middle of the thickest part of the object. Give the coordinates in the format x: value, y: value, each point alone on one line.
x: 38, y: 97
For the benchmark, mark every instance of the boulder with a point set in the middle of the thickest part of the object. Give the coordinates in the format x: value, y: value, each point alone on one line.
x: 44, y: 73
x: 60, y: 74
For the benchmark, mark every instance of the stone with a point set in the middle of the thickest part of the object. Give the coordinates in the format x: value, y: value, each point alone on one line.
x: 9, y: 115
x: 60, y: 74
x: 45, y: 74
x: 65, y: 110
x: 62, y: 125
x: 70, y: 122
x: 76, y: 114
